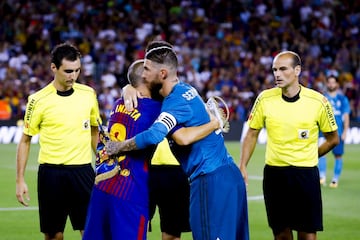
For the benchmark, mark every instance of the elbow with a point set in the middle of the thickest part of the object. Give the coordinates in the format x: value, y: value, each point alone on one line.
x: 336, y: 141
x: 332, y: 138
x: 182, y: 141
x: 182, y: 138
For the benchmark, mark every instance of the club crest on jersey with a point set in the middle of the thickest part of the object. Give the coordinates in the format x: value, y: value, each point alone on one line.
x: 303, y: 134
x: 86, y: 124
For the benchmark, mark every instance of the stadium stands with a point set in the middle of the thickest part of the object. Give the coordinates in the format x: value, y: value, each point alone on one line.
x: 225, y: 47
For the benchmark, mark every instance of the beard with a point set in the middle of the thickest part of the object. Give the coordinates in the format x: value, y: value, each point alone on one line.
x: 331, y: 89
x: 155, y: 91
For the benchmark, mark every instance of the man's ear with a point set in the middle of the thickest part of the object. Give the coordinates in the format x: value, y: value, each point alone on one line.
x: 53, y: 67
x: 163, y: 73
x: 297, y: 70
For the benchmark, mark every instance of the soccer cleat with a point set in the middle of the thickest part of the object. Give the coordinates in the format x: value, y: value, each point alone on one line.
x: 221, y: 114
x: 323, y: 182
x: 333, y: 184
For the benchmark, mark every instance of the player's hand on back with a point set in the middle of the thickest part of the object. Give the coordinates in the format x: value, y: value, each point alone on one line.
x: 130, y: 96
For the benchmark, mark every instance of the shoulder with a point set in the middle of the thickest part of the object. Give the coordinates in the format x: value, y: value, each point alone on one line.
x: 342, y: 96
x: 149, y: 101
x: 149, y: 106
x: 314, y: 98
x: 311, y: 93
x: 268, y: 93
x: 183, y: 91
x: 149, y: 109
x: 84, y: 88
x: 42, y: 93
x: 182, y: 87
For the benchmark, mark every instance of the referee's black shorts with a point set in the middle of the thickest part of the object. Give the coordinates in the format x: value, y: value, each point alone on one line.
x: 293, y: 198
x: 64, y: 191
x: 169, y: 191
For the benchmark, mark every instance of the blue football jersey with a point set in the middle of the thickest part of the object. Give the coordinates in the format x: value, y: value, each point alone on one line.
x: 340, y: 104
x: 184, y: 107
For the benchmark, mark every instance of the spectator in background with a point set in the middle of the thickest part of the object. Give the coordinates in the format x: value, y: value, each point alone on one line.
x: 341, y: 108
x: 5, y: 110
x: 213, y: 34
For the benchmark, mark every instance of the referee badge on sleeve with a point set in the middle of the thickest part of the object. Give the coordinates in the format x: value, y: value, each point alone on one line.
x: 303, y: 133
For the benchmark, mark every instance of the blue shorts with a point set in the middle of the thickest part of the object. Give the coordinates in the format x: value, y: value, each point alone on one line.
x: 338, y: 150
x: 218, y: 205
x: 110, y: 217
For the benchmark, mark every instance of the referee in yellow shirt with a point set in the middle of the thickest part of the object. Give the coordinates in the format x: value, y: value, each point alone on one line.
x: 64, y: 113
x: 293, y: 115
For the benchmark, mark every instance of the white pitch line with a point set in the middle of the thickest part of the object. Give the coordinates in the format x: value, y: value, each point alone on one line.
x: 255, y: 177
x: 14, y: 209
x: 254, y: 198
x: 259, y: 197
x: 250, y: 198
x: 18, y: 209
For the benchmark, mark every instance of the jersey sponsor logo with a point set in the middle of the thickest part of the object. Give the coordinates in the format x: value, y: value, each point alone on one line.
x: 330, y: 114
x: 303, y: 133
x: 86, y: 124
x: 29, y: 110
x: 167, y: 119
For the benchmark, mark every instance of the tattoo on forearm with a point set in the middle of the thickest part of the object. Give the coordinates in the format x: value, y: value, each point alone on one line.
x: 115, y: 147
x: 129, y: 145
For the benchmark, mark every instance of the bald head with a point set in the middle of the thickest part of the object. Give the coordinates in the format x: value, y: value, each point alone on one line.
x: 134, y: 73
x: 296, y: 60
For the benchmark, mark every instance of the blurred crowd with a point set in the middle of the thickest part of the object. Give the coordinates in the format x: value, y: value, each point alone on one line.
x: 225, y: 48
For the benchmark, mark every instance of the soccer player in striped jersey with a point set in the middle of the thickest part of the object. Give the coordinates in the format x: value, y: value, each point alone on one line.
x: 218, y: 203
x: 119, y: 205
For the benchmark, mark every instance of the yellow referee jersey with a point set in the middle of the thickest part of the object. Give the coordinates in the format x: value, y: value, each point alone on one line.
x: 163, y: 155
x: 64, y: 124
x: 292, y: 127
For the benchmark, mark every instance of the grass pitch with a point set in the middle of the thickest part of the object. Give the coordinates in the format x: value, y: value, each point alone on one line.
x: 341, y: 205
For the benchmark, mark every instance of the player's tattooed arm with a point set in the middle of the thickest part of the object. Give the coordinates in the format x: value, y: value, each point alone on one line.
x: 115, y: 147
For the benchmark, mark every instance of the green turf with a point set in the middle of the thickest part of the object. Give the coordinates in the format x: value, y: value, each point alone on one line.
x: 341, y: 206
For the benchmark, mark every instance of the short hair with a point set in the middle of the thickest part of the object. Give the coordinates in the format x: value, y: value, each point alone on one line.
x: 64, y: 51
x: 332, y: 76
x: 134, y: 73
x: 295, y: 57
x: 162, y: 52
